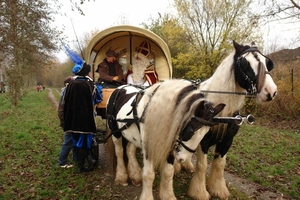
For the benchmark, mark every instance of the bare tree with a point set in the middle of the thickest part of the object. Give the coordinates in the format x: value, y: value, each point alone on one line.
x: 281, y: 9
x: 284, y: 14
x: 27, y: 41
x: 212, y: 25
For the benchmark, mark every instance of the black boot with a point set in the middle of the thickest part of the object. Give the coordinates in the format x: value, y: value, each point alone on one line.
x: 81, y: 167
x: 82, y: 155
x: 91, y: 161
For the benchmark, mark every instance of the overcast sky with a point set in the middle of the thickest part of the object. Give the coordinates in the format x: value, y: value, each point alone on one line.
x: 104, y: 14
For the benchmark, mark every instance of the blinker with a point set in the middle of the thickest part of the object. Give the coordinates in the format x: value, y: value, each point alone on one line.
x: 269, y: 63
x: 187, y: 133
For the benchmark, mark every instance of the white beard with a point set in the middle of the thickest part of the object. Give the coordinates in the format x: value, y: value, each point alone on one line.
x: 138, y: 67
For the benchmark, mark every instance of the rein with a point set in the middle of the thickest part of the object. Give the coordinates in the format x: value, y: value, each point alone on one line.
x: 129, y: 121
x: 135, y: 119
x: 142, y: 119
x: 225, y: 92
x: 184, y: 146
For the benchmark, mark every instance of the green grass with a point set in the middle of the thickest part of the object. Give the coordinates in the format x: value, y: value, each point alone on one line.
x: 56, y: 92
x: 30, y: 145
x: 31, y: 140
x: 269, y: 157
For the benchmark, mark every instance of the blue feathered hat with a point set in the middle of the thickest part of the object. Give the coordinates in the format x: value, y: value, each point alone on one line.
x: 76, y: 59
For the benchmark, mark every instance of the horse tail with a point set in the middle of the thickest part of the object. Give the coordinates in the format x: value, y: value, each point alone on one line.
x: 111, y: 153
x: 110, y: 149
x: 110, y: 128
x: 124, y: 144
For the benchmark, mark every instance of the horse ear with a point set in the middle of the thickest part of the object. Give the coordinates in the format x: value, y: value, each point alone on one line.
x: 235, y: 44
x: 238, y: 48
x: 219, y: 108
x: 253, y: 45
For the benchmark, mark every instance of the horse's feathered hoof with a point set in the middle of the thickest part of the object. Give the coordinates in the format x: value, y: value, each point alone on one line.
x: 188, y: 166
x: 124, y: 184
x: 121, y: 183
x: 137, y: 184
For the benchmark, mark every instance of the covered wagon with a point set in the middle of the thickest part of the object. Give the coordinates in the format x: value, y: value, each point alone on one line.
x: 126, y: 41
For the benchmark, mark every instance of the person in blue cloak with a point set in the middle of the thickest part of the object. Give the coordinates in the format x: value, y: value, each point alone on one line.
x: 81, y: 96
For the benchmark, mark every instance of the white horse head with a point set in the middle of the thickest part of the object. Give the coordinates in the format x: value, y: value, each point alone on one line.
x: 252, y: 72
x: 245, y: 70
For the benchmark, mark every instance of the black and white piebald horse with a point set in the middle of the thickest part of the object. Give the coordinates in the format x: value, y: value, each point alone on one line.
x: 167, y: 121
x: 246, y: 70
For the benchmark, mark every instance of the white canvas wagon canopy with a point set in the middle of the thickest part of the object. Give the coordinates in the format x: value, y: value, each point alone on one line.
x: 126, y: 41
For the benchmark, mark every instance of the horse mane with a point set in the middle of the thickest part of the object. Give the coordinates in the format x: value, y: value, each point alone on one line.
x: 173, y: 116
x: 223, y: 79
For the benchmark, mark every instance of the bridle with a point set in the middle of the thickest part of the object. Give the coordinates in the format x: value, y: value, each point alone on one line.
x: 243, y: 69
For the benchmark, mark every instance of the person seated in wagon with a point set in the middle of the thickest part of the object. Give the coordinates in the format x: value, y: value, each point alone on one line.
x: 110, y: 71
x: 143, y: 71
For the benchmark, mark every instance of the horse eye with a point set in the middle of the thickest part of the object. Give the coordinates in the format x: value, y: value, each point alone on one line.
x: 177, y: 148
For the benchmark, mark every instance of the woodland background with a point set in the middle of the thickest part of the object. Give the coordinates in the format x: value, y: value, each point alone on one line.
x: 199, y: 36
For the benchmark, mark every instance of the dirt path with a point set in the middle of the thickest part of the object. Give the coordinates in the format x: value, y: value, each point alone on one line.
x: 252, y: 190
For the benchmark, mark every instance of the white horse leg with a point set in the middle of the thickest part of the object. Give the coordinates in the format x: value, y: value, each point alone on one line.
x: 166, y: 190
x: 197, y: 189
x: 121, y: 172
x: 148, y: 178
x: 188, y: 165
x: 177, y: 166
x: 133, y: 167
x: 216, y: 182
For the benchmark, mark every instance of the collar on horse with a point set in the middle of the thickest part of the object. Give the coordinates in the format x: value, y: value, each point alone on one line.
x: 189, y: 131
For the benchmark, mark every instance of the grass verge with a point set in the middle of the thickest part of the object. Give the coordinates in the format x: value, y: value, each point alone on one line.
x: 30, y: 145
x: 31, y: 141
x: 267, y: 156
